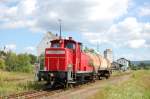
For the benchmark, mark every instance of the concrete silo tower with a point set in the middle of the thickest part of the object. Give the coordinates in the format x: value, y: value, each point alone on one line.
x: 108, y: 54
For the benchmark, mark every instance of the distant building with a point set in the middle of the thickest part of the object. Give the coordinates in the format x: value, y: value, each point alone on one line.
x: 124, y: 62
x: 45, y: 42
x: 108, y: 55
x: 115, y: 66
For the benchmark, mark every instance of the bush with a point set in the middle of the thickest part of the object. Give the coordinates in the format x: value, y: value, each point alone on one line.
x: 11, y: 61
x: 33, y: 58
x: 2, y: 53
x: 24, y: 64
x: 144, y: 66
x: 2, y: 63
x: 21, y: 62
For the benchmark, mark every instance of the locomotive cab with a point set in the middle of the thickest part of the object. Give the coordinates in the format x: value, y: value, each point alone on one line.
x: 59, y: 61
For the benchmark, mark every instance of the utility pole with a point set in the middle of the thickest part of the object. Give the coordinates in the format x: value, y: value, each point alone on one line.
x: 98, y: 47
x: 4, y: 47
x: 59, y: 28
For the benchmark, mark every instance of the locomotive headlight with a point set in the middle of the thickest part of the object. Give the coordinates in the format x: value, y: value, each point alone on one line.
x: 55, y: 52
x: 45, y: 68
x: 51, y: 75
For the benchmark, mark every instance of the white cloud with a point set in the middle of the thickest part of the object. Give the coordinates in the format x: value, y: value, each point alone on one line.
x: 10, y: 47
x: 95, y: 38
x: 77, y: 15
x: 132, y: 31
x: 106, y: 10
x: 146, y: 29
x: 127, y: 33
x: 27, y: 6
x: 144, y: 10
x: 136, y: 43
x: 19, y: 15
x: 30, y: 49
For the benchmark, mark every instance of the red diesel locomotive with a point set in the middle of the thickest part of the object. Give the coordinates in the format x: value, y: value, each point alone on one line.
x: 66, y: 64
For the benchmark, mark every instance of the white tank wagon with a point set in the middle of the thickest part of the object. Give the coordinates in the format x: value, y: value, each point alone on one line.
x: 101, y: 64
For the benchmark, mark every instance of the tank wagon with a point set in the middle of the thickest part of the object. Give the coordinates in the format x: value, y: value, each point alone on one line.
x: 67, y: 64
x: 101, y: 65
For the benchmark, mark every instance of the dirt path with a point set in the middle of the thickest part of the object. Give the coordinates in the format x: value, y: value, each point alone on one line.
x: 88, y: 90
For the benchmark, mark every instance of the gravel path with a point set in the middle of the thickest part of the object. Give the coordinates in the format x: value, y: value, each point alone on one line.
x: 88, y: 90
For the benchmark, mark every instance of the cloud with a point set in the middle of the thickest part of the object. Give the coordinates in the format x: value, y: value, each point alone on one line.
x: 10, y: 47
x: 76, y: 15
x: 30, y: 49
x: 27, y: 6
x: 106, y: 10
x: 129, y: 33
x: 19, y: 15
x: 132, y: 31
x: 136, y: 43
x: 144, y: 10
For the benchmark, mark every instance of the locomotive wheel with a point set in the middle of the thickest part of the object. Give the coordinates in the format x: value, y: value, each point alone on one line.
x: 39, y: 79
x: 107, y: 76
x: 52, y: 83
x: 100, y: 78
x: 68, y: 85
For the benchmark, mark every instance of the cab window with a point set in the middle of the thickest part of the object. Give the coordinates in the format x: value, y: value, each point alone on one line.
x: 70, y: 45
x: 55, y: 45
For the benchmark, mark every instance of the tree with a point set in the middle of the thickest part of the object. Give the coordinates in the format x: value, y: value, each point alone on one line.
x: 2, y: 64
x: 24, y: 64
x: 132, y: 66
x: 142, y: 65
x: 2, y: 53
x: 33, y: 58
x: 19, y: 62
x: 86, y: 49
x: 11, y: 61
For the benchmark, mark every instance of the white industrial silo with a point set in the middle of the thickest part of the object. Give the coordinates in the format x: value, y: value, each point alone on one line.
x: 108, y: 55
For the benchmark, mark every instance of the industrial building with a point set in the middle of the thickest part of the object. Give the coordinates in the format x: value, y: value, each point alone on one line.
x: 108, y: 55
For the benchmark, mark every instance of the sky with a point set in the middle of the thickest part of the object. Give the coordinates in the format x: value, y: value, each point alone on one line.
x: 122, y: 25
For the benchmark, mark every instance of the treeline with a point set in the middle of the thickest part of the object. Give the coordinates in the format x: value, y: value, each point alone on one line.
x: 140, y: 66
x: 11, y: 61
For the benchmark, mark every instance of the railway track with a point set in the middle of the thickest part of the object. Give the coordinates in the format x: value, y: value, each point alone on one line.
x: 37, y: 94
x: 31, y: 94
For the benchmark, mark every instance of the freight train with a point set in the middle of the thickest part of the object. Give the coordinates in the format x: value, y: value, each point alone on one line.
x: 67, y: 64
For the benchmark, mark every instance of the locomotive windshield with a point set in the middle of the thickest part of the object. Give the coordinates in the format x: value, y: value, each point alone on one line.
x: 70, y: 45
x: 55, y: 45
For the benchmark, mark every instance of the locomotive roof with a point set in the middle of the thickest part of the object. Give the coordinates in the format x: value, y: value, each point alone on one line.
x: 57, y: 40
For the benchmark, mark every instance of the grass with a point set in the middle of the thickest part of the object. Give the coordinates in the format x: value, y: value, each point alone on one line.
x: 14, y: 82
x: 137, y: 87
x: 120, y: 73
